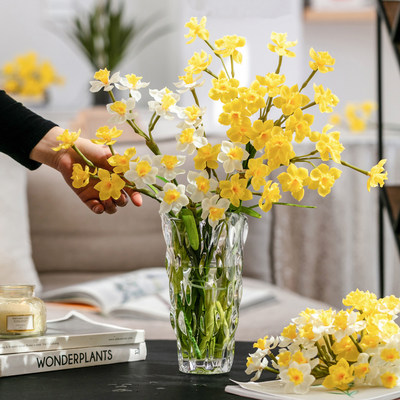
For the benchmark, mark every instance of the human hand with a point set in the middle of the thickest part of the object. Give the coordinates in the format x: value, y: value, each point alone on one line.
x: 63, y: 161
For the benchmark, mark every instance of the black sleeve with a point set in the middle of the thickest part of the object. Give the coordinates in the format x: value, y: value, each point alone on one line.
x: 20, y: 130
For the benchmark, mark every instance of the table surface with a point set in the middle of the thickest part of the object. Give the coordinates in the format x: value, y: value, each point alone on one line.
x: 157, y: 377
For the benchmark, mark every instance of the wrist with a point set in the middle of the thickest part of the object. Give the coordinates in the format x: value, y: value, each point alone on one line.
x: 43, y: 152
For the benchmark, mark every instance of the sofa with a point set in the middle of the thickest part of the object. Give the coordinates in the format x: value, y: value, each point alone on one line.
x: 52, y: 240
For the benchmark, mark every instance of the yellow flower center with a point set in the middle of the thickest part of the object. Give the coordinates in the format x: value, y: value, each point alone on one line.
x: 389, y: 354
x: 118, y: 107
x: 295, y: 375
x: 192, y: 112
x: 133, y: 79
x: 203, y: 184
x: 216, y: 213
x: 186, y: 136
x: 167, y: 101
x: 169, y: 161
x: 102, y: 75
x: 171, y: 196
x: 143, y: 168
x: 236, y: 153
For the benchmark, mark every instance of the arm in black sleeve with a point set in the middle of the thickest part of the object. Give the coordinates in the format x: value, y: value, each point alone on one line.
x: 20, y: 130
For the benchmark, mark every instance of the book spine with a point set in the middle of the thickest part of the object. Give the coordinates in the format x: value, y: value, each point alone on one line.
x: 30, y: 363
x: 44, y: 343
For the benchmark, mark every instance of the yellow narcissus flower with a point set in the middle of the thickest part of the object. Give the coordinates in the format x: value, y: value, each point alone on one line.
x: 290, y: 99
x: 261, y: 343
x: 197, y: 29
x: 257, y: 171
x: 279, y: 149
x: 207, y: 157
x: 300, y: 124
x: 364, y: 301
x: 323, y: 178
x: 106, y: 135
x: 241, y: 133
x: 325, y: 99
x: 346, y: 349
x: 235, y: 113
x: 224, y: 89
x: 329, y: 145
x: 121, y: 162
x: 323, y: 61
x: 235, y: 190
x: 389, y: 379
x: 80, y: 177
x: 262, y: 132
x: 227, y: 46
x: 271, y: 194
x: 289, y: 331
x: 253, y: 96
x: 340, y: 376
x: 198, y: 62
x: 376, y: 175
x: 67, y: 140
x: 281, y: 45
x: 273, y: 82
x: 110, y: 185
x: 294, y: 181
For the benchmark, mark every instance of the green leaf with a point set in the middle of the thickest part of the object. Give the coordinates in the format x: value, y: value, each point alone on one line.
x: 249, y: 211
x: 191, y: 228
x: 163, y: 179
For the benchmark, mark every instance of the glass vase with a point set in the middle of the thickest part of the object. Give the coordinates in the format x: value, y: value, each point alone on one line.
x: 205, y: 287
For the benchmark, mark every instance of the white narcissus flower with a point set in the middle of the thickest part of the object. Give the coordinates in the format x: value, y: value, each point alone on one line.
x: 132, y: 83
x: 200, y: 185
x: 188, y: 82
x: 256, y: 362
x: 141, y: 172
x: 190, y: 139
x: 167, y: 166
x: 297, y: 378
x: 173, y: 198
x: 164, y: 103
x: 192, y: 114
x: 346, y: 323
x: 121, y: 110
x: 214, y: 209
x: 103, y: 81
x: 231, y: 156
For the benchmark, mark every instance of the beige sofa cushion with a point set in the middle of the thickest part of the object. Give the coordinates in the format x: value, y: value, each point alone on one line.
x: 16, y: 265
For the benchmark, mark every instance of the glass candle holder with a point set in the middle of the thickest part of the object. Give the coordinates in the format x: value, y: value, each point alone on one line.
x: 21, y: 313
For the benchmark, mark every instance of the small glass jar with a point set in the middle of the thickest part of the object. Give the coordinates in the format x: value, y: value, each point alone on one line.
x: 21, y: 313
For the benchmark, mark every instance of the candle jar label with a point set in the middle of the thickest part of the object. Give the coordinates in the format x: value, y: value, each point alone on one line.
x: 19, y: 323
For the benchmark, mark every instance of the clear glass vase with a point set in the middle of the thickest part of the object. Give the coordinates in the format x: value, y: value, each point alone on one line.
x: 205, y: 287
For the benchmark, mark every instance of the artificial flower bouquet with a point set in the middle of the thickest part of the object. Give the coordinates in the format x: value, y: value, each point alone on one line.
x: 27, y: 76
x: 255, y: 145
x: 203, y: 217
x: 338, y: 349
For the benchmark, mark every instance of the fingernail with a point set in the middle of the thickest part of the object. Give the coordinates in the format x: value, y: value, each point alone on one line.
x: 97, y: 209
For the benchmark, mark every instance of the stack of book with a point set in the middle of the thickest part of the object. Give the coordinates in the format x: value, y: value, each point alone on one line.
x: 73, y: 341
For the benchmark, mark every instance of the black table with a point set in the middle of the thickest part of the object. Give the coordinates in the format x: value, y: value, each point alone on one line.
x: 157, y: 377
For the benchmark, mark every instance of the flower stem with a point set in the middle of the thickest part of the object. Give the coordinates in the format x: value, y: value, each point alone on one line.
x: 307, y: 81
x: 346, y: 164
x: 87, y: 161
x: 222, y: 61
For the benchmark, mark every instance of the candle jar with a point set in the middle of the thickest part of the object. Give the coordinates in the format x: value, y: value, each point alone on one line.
x: 21, y: 313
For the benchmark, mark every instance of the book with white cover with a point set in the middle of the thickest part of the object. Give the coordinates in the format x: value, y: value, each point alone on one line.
x: 34, y: 362
x: 73, y: 331
x: 143, y: 293
x: 273, y: 390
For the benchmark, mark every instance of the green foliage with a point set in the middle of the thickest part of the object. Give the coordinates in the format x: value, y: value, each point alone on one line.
x: 105, y: 38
